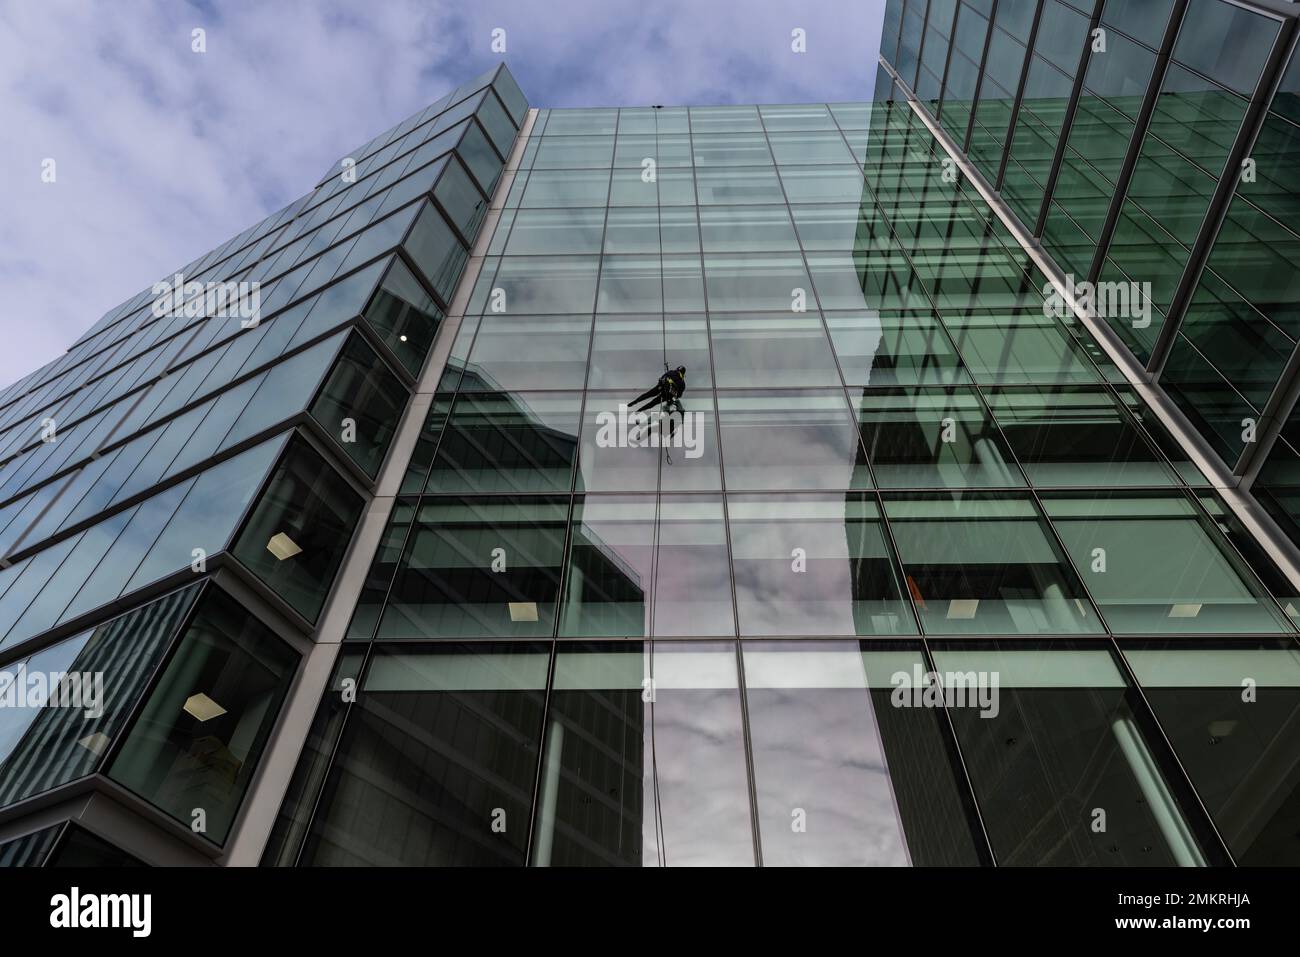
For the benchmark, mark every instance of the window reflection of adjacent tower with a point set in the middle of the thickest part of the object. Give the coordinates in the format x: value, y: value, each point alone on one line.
x: 644, y: 761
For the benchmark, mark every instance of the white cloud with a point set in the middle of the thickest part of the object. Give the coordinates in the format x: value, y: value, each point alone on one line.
x: 163, y: 153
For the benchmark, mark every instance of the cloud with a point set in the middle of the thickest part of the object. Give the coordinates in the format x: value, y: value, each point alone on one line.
x: 162, y: 153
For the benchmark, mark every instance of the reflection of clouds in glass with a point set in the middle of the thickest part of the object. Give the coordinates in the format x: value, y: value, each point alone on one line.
x: 703, y: 796
x: 624, y: 347
x: 773, y: 599
x: 548, y: 284
x: 789, y: 451
x: 820, y: 751
x: 615, y: 469
x: 693, y: 589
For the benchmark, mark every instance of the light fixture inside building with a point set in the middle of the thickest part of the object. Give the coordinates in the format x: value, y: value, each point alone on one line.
x: 1185, y: 610
x: 402, y: 338
x: 1221, y: 729
x: 282, y: 546
x: 963, y: 608
x: 202, y: 707
x: 96, y: 743
x: 523, y: 611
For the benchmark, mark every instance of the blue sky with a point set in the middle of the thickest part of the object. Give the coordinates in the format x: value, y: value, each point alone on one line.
x: 161, y: 153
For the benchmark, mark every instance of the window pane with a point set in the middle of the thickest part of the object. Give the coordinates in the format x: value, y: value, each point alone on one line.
x: 405, y: 789
x: 979, y: 564
x: 610, y: 567
x: 405, y: 316
x: 775, y: 350
x: 838, y: 228
x: 1155, y: 564
x: 632, y: 230
x: 547, y: 284
x: 692, y: 578
x: 110, y: 576
x: 206, y: 517
x: 933, y: 439
x: 299, y: 530
x: 574, y: 152
x: 80, y: 848
x: 791, y: 148
x: 738, y: 228
x: 566, y: 188
x: 893, y: 348
x: 551, y: 231
x: 360, y: 405
x: 627, y: 450
x: 733, y: 186
x: 1142, y: 19
x: 508, y: 442
x: 824, y: 184
x: 1072, y: 436
x: 1226, y: 42
x: 632, y: 150
x: 871, y: 783
x: 724, y: 119
x: 556, y: 356
x: 480, y: 567
x: 462, y: 200
x: 199, y: 739
x: 630, y: 284
x: 1064, y: 751
x: 790, y: 440
x: 1005, y: 348
x: 731, y: 149
x: 581, y: 122
x: 43, y: 747
x: 1237, y: 747
x: 437, y: 252
x: 757, y: 282
x: 626, y: 781
x: 628, y: 348
x: 814, y: 565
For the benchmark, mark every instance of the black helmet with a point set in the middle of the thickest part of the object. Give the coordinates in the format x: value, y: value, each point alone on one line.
x: 682, y: 369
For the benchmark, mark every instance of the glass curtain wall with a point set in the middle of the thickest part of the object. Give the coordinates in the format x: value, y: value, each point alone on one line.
x: 890, y: 456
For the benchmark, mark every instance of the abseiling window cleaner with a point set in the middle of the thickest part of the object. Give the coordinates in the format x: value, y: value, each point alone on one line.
x: 641, y: 424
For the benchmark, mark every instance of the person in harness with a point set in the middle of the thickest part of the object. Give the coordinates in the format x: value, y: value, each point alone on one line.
x: 666, y: 392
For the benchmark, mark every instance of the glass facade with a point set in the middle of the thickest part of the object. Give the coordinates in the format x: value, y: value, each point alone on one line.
x: 1142, y: 145
x: 585, y: 641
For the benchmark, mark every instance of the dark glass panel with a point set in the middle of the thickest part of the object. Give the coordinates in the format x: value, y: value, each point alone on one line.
x: 1066, y: 771
x: 197, y: 743
x: 296, y: 536
x: 986, y: 564
x: 479, y: 567
x: 437, y: 762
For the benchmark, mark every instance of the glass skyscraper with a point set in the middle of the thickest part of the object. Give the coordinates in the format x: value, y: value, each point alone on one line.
x: 939, y: 564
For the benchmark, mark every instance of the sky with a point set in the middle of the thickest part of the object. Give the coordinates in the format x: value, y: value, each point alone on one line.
x: 162, y: 153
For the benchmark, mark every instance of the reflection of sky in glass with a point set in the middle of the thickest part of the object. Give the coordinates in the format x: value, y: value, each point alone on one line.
x: 803, y: 441
x: 819, y: 750
x: 703, y: 800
